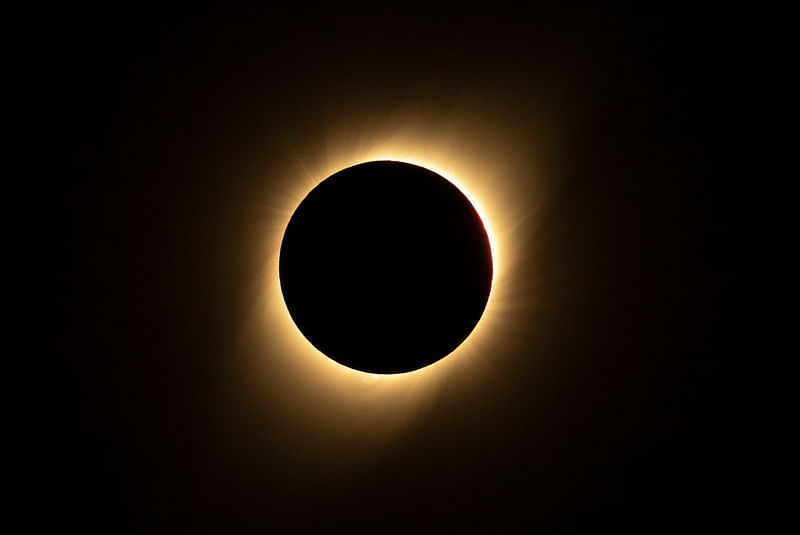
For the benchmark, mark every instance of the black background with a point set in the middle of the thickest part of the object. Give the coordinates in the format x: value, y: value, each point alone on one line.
x: 154, y: 115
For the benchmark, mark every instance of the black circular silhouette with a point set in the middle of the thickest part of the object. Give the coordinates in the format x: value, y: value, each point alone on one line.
x: 385, y: 267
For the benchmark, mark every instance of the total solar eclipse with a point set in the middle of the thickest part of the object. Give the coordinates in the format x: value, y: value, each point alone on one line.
x: 385, y: 267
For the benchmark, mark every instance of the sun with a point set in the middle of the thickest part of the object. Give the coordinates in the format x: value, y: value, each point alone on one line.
x: 502, y: 177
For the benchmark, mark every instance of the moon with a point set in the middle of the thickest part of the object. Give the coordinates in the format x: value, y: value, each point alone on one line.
x: 386, y: 267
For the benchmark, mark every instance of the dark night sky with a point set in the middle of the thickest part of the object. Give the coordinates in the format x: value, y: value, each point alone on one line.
x: 157, y: 119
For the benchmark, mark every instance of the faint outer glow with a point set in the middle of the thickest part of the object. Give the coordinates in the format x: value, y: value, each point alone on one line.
x: 309, y: 397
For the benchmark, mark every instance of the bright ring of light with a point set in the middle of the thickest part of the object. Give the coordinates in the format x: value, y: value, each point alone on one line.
x: 292, y: 379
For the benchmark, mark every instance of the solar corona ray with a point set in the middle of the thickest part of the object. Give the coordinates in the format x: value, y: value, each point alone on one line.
x: 385, y: 267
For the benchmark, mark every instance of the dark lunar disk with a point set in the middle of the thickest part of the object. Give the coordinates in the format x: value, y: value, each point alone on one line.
x: 385, y: 267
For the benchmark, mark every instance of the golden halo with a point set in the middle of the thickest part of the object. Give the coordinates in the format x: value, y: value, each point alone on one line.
x: 499, y: 173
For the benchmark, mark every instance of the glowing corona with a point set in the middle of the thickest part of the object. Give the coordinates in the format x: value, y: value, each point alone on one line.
x: 479, y: 155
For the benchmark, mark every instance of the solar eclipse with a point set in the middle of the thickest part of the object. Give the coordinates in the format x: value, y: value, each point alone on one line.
x: 474, y: 148
x: 238, y: 345
x: 386, y: 267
